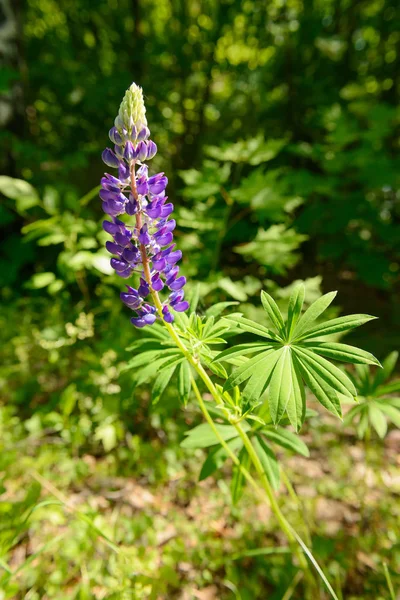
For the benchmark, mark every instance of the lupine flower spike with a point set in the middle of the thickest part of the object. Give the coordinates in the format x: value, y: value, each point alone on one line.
x: 143, y: 246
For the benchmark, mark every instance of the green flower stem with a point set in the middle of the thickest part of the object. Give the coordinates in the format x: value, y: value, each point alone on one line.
x: 285, y: 526
x: 300, y: 508
x: 221, y: 440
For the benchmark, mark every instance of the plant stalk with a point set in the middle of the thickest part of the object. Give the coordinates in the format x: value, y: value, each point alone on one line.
x: 291, y: 535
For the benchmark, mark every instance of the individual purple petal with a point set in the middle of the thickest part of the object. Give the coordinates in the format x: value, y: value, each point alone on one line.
x: 149, y: 319
x: 107, y: 195
x: 157, y: 186
x: 164, y: 239
x: 143, y: 236
x: 123, y: 239
x: 167, y: 209
x: 113, y: 208
x: 168, y: 250
x: 124, y: 134
x: 119, y: 265
x: 170, y: 225
x: 140, y: 322
x: 181, y: 306
x: 131, y: 207
x: 175, y: 297
x: 130, y: 255
x: 141, y: 151
x: 114, y: 136
x: 123, y: 171
x: 113, y: 248
x: 151, y: 149
x: 156, y: 283
x: 149, y: 308
x: 171, y: 275
x: 157, y: 177
x: 131, y: 300
x: 153, y: 209
x: 143, y: 289
x: 159, y: 262
x: 133, y: 134
x: 168, y: 316
x: 173, y: 257
x: 119, y: 151
x: 110, y: 227
x: 142, y: 186
x: 129, y: 151
x: 109, y: 158
x: 178, y: 283
x: 143, y: 171
x: 108, y: 184
x: 125, y: 274
x: 143, y: 134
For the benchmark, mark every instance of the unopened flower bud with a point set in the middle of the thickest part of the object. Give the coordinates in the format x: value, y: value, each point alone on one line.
x: 151, y: 149
x: 141, y: 151
x: 109, y: 158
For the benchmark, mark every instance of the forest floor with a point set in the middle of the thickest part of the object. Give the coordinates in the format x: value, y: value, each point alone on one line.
x: 135, y: 524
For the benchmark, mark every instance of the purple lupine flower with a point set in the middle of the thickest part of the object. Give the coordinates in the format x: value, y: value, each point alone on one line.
x: 145, y: 245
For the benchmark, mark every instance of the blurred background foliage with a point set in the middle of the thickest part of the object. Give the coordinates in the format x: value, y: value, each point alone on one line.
x: 277, y: 125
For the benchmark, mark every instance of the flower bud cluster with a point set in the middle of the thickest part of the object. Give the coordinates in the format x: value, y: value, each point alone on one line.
x: 145, y: 247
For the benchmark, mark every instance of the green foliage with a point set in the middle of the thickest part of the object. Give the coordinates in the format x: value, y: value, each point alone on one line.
x: 292, y: 356
x: 378, y: 403
x: 203, y: 436
x: 277, y: 130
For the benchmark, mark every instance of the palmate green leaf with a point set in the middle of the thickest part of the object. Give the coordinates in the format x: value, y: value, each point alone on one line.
x: 184, y: 385
x: 148, y: 357
x: 281, y: 385
x: 161, y: 384
x: 296, y: 406
x: 296, y: 301
x: 250, y: 369
x: 217, y: 457
x: 392, y: 401
x: 203, y: 436
x: 268, y: 461
x: 312, y: 313
x: 389, y: 388
x: 334, y: 326
x: 377, y: 419
x: 287, y: 361
x: 391, y: 412
x: 273, y: 312
x: 156, y: 367
x: 286, y: 439
x: 342, y: 352
x: 260, y: 379
x: 363, y: 424
x: 333, y: 376
x: 147, y: 344
x: 209, y: 360
x: 217, y: 309
x: 322, y: 391
x: 388, y: 366
x: 194, y: 297
x: 363, y: 375
x: 238, y: 480
x: 353, y: 412
x: 243, y: 349
x: 251, y: 327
